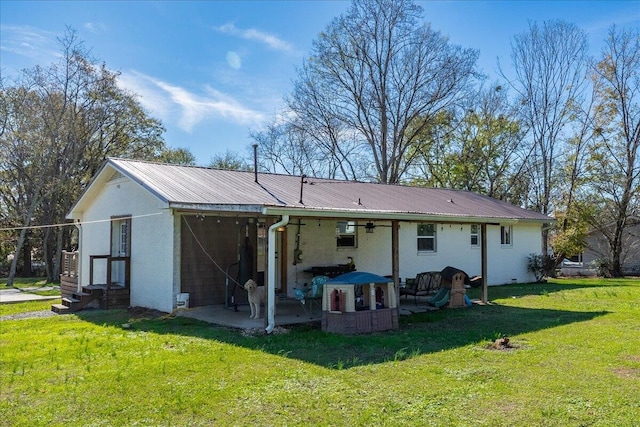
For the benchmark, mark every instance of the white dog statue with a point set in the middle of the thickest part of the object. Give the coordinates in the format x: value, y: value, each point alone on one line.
x: 256, y: 296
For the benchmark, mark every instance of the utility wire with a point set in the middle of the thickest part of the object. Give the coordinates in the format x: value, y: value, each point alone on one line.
x: 66, y: 224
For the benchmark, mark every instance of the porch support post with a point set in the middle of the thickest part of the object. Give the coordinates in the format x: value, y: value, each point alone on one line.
x: 271, y: 269
x: 483, y: 232
x: 395, y: 260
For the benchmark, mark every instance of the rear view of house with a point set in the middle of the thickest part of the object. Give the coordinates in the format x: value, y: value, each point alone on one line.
x: 158, y: 232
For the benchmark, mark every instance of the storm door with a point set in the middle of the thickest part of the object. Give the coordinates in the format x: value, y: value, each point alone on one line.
x: 120, y: 249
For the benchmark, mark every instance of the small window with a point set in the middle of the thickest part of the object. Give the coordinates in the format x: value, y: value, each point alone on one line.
x: 573, y: 261
x: 475, y: 241
x: 426, y: 238
x: 505, y: 235
x: 124, y: 238
x: 346, y: 234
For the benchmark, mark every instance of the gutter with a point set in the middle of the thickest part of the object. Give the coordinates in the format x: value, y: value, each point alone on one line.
x: 271, y: 265
x: 400, y: 216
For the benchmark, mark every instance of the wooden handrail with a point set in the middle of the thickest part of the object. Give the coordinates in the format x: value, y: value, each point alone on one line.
x: 69, y: 263
x: 110, y: 260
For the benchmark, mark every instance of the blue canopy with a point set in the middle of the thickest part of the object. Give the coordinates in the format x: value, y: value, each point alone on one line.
x: 359, y: 278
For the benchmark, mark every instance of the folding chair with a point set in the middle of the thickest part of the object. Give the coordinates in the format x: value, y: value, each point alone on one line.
x: 311, y: 296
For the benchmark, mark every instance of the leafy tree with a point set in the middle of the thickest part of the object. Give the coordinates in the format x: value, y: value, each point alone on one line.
x: 58, y: 125
x: 177, y: 156
x: 476, y: 148
x: 615, y: 161
x: 229, y: 160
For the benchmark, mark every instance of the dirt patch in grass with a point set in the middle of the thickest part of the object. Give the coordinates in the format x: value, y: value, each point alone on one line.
x: 503, y: 344
x: 278, y: 330
x: 628, y: 373
x: 140, y: 313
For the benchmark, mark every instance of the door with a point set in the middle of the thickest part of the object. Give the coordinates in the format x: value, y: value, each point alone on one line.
x: 120, y: 249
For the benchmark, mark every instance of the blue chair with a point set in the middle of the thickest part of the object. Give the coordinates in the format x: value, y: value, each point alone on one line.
x: 311, y: 296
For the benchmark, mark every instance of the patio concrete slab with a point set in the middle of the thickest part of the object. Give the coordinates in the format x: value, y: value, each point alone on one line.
x: 288, y: 312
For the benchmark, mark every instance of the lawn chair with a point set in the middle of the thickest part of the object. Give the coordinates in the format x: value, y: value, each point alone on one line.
x: 309, y: 297
x: 420, y: 287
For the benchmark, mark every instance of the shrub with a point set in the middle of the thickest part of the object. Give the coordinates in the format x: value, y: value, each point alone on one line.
x: 602, y: 266
x: 536, y: 264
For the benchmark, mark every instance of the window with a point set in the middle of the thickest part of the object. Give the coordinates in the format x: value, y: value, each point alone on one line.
x: 505, y: 235
x: 346, y: 234
x: 475, y: 230
x: 573, y: 261
x: 124, y: 238
x: 120, y: 236
x: 426, y: 238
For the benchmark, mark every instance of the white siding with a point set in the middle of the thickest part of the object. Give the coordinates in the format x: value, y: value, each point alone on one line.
x: 152, y: 241
x: 506, y: 264
x: 453, y: 248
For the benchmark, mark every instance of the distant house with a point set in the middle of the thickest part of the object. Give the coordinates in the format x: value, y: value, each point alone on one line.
x: 159, y: 231
x: 584, y: 264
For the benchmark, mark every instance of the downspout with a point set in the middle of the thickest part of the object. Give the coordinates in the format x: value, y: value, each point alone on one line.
x: 79, y: 266
x: 271, y: 266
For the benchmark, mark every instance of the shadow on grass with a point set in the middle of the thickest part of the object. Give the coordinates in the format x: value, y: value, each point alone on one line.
x: 418, y: 334
x: 544, y: 288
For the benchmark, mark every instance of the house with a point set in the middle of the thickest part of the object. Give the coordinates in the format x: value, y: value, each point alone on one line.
x: 156, y: 233
x: 597, y: 248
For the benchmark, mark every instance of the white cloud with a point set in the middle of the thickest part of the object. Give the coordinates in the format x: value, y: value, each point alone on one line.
x: 270, y: 40
x: 174, y: 104
x: 234, y: 60
x: 28, y: 42
x: 95, y: 27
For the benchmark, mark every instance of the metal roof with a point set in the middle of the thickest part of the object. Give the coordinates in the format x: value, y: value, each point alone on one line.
x: 191, y: 187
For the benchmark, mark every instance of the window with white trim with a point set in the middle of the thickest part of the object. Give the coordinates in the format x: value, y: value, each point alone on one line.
x: 475, y: 235
x: 427, y: 238
x: 506, y: 235
x: 346, y: 236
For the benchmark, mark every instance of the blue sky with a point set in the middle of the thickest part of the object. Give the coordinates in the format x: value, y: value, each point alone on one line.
x: 213, y: 71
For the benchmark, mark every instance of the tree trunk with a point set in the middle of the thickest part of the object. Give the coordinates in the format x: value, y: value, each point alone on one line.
x: 58, y: 255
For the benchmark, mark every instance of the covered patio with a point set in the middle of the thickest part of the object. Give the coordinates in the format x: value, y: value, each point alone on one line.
x: 289, y: 311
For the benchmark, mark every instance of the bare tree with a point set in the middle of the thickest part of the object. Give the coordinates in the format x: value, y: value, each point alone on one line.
x: 374, y: 80
x: 549, y: 62
x: 615, y: 161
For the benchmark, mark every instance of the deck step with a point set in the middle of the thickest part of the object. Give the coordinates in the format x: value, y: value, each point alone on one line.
x: 69, y: 302
x: 81, y: 294
x: 60, y: 309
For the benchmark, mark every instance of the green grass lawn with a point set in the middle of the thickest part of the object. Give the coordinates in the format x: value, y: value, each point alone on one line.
x: 576, y: 362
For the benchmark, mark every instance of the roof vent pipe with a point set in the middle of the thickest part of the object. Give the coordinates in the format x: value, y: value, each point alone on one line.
x: 302, y: 182
x: 255, y: 162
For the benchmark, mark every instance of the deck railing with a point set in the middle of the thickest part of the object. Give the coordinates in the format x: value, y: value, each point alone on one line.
x: 69, y: 264
x: 108, y: 281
